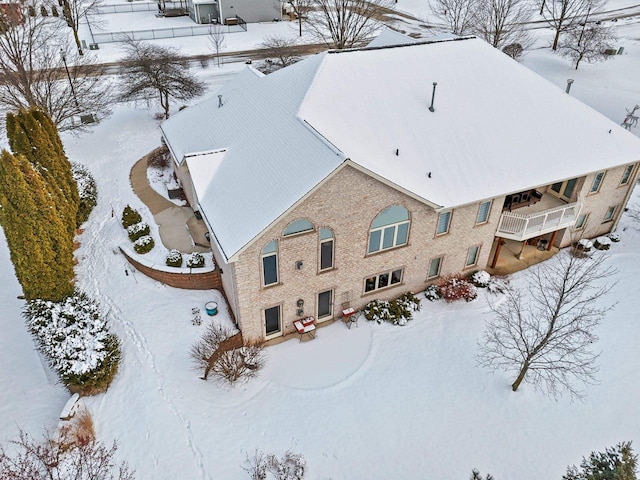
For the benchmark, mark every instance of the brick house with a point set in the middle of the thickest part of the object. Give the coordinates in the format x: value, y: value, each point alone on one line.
x: 351, y: 176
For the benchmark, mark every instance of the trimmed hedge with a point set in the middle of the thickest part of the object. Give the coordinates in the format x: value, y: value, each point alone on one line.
x: 195, y: 260
x: 174, y: 258
x: 144, y: 244
x: 130, y: 217
x: 138, y: 230
x: 398, y: 311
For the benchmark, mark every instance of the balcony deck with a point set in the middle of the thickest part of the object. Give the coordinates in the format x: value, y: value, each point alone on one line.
x: 548, y: 215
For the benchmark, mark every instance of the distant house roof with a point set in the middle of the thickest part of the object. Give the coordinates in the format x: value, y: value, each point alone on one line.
x: 496, y: 128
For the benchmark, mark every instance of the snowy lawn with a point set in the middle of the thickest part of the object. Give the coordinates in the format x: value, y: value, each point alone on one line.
x: 377, y: 401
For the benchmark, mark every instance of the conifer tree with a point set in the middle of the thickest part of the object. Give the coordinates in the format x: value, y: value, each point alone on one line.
x: 32, y: 134
x: 38, y: 242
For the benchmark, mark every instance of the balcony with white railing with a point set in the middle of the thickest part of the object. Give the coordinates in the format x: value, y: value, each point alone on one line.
x: 518, y: 226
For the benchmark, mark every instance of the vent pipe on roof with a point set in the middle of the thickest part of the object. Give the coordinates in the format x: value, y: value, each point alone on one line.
x: 433, y: 96
x: 220, y: 101
x: 569, y: 82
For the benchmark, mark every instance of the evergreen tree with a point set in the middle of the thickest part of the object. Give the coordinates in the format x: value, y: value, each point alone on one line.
x: 38, y: 242
x: 616, y: 463
x: 32, y: 134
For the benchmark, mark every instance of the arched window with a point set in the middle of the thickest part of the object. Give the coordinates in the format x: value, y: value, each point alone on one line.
x: 298, y: 226
x: 270, y: 263
x: 326, y: 249
x: 389, y: 229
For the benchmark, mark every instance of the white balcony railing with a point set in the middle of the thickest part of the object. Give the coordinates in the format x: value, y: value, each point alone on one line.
x: 516, y: 226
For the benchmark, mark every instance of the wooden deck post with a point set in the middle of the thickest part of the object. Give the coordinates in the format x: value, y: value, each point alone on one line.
x: 553, y: 239
x: 497, y: 254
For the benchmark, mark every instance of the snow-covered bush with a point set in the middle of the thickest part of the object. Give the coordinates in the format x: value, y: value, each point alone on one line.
x: 144, y: 244
x: 602, y: 243
x: 87, y: 191
x: 432, y: 293
x: 398, y: 311
x: 130, y: 216
x: 480, y: 278
x: 138, y: 230
x: 195, y: 260
x: 456, y: 288
x: 290, y: 467
x: 174, y: 258
x: 377, y: 310
x: 582, y: 248
x: 614, y: 237
x: 74, y: 337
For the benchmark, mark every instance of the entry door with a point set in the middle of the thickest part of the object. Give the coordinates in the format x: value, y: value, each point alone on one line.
x: 325, y: 305
x: 272, y: 321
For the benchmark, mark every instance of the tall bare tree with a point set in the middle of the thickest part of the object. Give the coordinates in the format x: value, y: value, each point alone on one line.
x: 564, y: 15
x: 34, y: 75
x: 588, y: 43
x: 300, y: 9
x: 217, y: 41
x: 279, y: 48
x: 345, y: 23
x: 544, y: 332
x: 501, y: 22
x: 74, y: 11
x: 154, y: 69
x: 459, y: 15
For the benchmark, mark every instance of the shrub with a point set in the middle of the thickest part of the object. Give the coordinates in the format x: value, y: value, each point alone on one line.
x: 616, y: 463
x: 432, y: 293
x: 291, y: 466
x: 174, y: 258
x: 614, y: 237
x: 602, y: 243
x: 398, y: 311
x: 456, y: 288
x: 74, y: 337
x: 87, y: 190
x: 480, y: 278
x: 514, y: 50
x: 159, y: 158
x: 130, y: 216
x: 138, y: 230
x: 195, y: 260
x: 144, y: 244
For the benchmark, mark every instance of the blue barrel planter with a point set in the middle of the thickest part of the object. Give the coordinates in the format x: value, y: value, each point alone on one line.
x: 211, y: 308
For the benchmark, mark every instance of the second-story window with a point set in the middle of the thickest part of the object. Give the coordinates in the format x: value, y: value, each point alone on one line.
x: 597, y: 182
x: 270, y: 263
x: 626, y: 175
x: 483, y: 212
x: 389, y: 229
x: 444, y: 221
x: 326, y: 249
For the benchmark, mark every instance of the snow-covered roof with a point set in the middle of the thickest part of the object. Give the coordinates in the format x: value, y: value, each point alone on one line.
x: 389, y: 37
x: 496, y: 128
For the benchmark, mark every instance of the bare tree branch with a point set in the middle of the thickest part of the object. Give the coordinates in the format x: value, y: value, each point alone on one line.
x: 545, y: 335
x: 502, y: 23
x: 459, y: 15
x: 588, y: 43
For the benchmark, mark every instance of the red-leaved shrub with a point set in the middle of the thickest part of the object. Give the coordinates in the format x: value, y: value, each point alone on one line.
x: 456, y: 288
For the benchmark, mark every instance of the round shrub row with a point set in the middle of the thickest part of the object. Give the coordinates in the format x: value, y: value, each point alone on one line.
x: 144, y: 244
x: 195, y: 260
x: 138, y: 230
x: 174, y: 258
x: 130, y: 217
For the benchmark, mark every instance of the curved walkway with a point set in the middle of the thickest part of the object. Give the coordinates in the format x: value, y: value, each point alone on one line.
x: 178, y: 226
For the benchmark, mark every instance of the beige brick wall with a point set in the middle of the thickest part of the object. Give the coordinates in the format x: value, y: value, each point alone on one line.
x: 347, y: 203
x: 610, y: 194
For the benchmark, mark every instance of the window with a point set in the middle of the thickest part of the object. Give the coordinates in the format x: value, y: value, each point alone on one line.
x: 581, y: 221
x: 326, y: 249
x: 272, y: 320
x: 389, y: 229
x: 472, y: 256
x: 483, y: 212
x: 434, y: 267
x: 270, y: 263
x: 597, y: 181
x: 383, y: 280
x: 608, y: 216
x: 444, y: 219
x: 565, y: 189
x: 298, y: 226
x: 626, y: 176
x: 325, y: 304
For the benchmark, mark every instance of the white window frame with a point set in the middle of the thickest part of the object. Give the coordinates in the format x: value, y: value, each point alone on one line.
x: 440, y: 259
x: 444, y: 232
x: 627, y: 174
x: 580, y: 225
x: 264, y: 256
x: 609, y: 218
x: 475, y: 258
x: 597, y: 182
x: 486, y: 220
x: 301, y: 221
x: 563, y: 188
x: 396, y: 227
x: 377, y: 277
x: 333, y: 251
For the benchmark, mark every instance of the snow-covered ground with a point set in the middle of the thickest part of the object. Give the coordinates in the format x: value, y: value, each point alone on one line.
x: 372, y: 402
